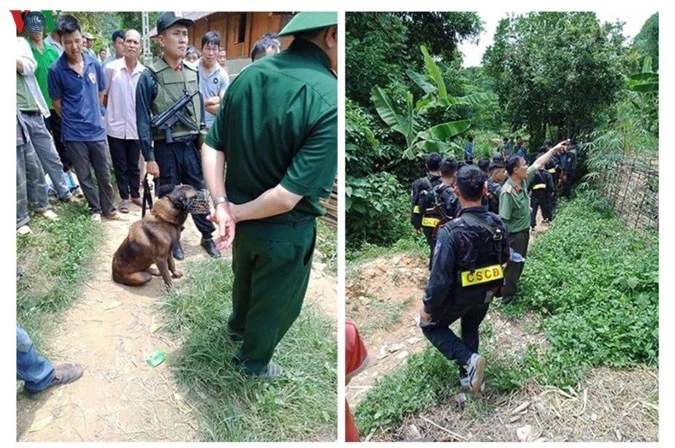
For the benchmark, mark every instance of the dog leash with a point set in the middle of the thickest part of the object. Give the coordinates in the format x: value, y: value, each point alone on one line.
x: 147, y: 195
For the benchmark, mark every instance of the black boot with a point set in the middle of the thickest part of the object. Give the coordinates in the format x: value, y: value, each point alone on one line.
x: 210, y: 247
x: 177, y: 251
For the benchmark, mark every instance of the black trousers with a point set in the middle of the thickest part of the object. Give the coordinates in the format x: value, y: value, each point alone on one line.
x: 543, y: 201
x: 125, y: 156
x: 429, y: 235
x: 447, y: 342
x: 180, y: 163
x: 54, y: 126
x: 518, y: 242
x: 88, y: 155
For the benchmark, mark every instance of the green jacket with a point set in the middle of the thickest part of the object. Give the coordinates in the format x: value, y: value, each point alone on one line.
x: 278, y: 125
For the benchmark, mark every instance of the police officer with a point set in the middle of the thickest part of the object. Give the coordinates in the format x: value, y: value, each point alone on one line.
x: 440, y: 205
x: 568, y: 162
x: 541, y: 191
x: 422, y: 186
x: 277, y: 129
x: 495, y: 181
x: 161, y: 86
x: 514, y: 208
x: 467, y: 272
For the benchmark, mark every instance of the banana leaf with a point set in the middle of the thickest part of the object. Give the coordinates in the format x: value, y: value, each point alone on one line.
x: 420, y: 81
x: 434, y: 73
x: 445, y: 131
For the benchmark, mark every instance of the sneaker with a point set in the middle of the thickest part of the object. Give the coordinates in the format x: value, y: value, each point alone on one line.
x: 124, y: 206
x: 96, y: 217
x: 464, y: 382
x: 475, y: 369
x: 49, y: 214
x: 24, y: 230
x: 137, y: 201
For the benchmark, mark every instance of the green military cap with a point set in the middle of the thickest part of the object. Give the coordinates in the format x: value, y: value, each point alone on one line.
x: 305, y: 21
x: 170, y: 18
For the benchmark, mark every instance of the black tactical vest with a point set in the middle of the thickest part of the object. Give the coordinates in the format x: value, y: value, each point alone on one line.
x: 478, y: 267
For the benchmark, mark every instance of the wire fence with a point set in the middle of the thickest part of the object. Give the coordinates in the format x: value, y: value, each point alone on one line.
x: 632, y: 187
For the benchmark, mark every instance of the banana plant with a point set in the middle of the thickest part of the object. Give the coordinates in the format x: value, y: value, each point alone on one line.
x: 437, y: 138
x: 645, y: 82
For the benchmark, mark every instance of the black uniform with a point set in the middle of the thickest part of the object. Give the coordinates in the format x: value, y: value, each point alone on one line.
x: 491, y: 200
x: 466, y: 273
x: 420, y: 188
x: 568, y: 161
x: 541, y: 195
x: 439, y: 206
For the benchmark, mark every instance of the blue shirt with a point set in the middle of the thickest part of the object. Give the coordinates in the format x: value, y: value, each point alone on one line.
x: 81, y: 118
x: 212, y: 85
x: 468, y: 150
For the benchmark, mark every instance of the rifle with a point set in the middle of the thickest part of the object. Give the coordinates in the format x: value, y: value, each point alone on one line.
x: 171, y: 116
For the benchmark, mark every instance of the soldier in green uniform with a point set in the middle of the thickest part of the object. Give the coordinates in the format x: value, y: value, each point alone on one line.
x: 175, y: 158
x: 514, y: 208
x: 277, y: 131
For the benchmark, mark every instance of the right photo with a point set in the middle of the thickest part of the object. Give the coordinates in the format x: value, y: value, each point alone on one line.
x: 502, y: 208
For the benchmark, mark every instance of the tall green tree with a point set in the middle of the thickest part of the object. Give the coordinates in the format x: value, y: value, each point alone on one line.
x: 381, y: 46
x: 556, y: 71
x: 647, y: 41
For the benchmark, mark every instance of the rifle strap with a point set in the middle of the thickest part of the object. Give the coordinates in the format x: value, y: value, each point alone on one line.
x: 173, y: 97
x: 147, y: 196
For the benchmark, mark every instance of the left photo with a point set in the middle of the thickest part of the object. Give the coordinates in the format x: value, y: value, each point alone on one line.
x: 176, y: 220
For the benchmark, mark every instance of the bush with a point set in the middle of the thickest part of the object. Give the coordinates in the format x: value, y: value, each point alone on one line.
x: 377, y: 211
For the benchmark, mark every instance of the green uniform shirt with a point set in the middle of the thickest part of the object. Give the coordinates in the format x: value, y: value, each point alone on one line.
x: 44, y: 60
x: 278, y: 124
x: 514, y: 207
x: 24, y: 99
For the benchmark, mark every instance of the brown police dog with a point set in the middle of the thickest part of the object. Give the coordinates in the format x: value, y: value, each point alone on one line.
x: 149, y: 241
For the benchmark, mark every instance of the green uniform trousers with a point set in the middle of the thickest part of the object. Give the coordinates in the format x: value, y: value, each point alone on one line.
x: 271, y: 264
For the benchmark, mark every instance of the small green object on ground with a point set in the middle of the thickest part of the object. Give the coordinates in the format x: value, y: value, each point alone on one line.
x: 156, y: 358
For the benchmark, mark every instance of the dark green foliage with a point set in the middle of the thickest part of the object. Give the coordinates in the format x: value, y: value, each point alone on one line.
x: 377, y: 211
x: 557, y: 69
x: 647, y: 41
x: 381, y: 46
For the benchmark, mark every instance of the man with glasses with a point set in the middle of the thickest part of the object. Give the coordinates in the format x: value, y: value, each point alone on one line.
x: 514, y: 208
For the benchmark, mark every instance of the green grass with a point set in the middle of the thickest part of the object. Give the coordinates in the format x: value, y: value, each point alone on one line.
x: 300, y: 407
x: 592, y: 283
x: 412, y: 245
x: 55, y: 261
x: 326, y: 244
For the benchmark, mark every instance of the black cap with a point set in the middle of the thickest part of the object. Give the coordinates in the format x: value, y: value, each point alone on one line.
x: 34, y: 22
x: 498, y: 163
x: 167, y: 19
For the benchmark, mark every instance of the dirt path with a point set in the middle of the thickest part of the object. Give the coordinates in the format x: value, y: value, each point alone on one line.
x: 111, y: 329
